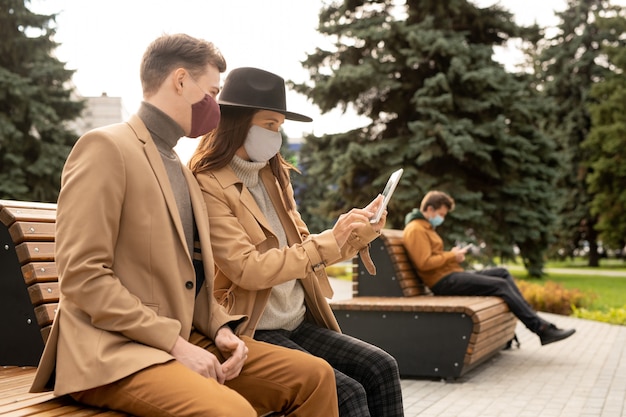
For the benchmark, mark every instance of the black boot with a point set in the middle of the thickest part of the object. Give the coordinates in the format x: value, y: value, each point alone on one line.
x: 549, y: 333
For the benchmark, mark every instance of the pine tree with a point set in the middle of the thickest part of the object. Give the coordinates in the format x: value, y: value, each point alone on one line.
x: 319, y: 190
x: 605, y: 146
x: 35, y: 106
x: 571, y: 65
x: 443, y: 109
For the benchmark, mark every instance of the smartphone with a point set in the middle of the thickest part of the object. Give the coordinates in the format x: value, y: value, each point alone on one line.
x: 393, y: 181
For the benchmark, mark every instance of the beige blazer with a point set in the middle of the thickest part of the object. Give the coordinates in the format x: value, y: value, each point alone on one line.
x: 247, y: 254
x: 126, y: 276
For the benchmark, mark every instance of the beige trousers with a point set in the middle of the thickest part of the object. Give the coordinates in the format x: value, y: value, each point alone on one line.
x: 273, y: 379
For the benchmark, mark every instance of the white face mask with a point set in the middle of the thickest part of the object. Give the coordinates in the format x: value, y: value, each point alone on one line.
x: 262, y: 144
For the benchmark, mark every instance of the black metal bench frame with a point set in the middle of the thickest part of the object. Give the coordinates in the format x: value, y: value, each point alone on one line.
x: 430, y: 336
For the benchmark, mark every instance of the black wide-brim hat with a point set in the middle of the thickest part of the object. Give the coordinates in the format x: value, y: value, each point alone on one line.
x: 257, y: 89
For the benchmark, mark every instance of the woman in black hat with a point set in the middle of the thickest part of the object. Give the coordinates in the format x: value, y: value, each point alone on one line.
x: 268, y: 266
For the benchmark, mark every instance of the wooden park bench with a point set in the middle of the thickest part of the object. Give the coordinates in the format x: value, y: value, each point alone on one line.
x: 29, y: 297
x: 430, y: 336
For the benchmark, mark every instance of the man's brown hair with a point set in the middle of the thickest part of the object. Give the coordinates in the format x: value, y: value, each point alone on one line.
x: 169, y: 52
x: 436, y: 199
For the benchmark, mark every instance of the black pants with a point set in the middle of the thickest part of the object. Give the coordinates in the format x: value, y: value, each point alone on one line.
x: 492, y: 281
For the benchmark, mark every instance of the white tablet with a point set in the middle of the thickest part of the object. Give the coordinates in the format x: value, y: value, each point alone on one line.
x: 393, y: 181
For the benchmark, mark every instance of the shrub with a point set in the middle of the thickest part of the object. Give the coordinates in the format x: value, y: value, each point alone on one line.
x: 340, y: 271
x: 612, y: 316
x: 552, y: 297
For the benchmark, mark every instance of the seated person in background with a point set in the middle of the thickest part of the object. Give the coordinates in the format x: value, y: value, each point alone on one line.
x: 442, y: 273
x: 268, y: 264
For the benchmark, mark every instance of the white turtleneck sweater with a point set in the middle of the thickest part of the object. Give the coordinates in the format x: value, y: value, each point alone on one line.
x: 285, y: 308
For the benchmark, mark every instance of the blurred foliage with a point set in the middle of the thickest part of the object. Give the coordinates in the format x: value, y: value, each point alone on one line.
x: 552, y: 297
x: 442, y: 109
x: 569, y: 64
x: 36, y: 105
x: 612, y: 316
x: 340, y: 271
x: 605, y: 146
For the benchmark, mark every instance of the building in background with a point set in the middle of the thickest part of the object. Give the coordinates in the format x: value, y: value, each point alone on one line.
x: 100, y: 111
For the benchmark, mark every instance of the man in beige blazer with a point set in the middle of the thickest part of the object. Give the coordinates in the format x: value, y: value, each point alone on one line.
x: 138, y: 329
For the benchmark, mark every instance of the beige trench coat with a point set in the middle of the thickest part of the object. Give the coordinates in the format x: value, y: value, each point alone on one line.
x: 248, y: 259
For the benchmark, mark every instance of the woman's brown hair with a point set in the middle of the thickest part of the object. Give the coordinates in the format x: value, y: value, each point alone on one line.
x: 217, y: 149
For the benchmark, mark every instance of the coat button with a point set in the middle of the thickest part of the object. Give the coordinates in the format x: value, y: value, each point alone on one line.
x: 189, y: 285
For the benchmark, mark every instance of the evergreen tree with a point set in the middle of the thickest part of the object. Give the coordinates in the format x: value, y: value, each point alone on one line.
x: 35, y: 105
x: 605, y: 146
x: 443, y: 109
x: 571, y: 65
x: 319, y: 196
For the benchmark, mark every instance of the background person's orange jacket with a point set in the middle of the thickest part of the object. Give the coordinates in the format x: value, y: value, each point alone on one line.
x: 425, y: 248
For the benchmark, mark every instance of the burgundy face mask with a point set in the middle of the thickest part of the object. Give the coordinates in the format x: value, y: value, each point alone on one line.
x: 205, y: 115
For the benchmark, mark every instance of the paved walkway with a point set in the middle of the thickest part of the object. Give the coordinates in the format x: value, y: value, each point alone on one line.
x: 583, y: 376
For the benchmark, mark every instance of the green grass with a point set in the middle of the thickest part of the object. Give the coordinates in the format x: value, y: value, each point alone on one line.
x: 340, y: 271
x: 604, y: 292
x: 605, y: 296
x: 605, y: 264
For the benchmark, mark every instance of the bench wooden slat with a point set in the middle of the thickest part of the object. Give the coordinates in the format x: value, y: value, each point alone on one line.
x: 487, y: 344
x: 32, y: 231
x: 481, y: 318
x: 495, y: 327
x: 14, y: 384
x: 11, y: 214
x: 35, y: 251
x: 395, y: 249
x: 47, y: 292
x: 18, y: 402
x: 45, y: 313
x: 59, y: 407
x: 45, y: 332
x: 27, y: 204
x: 408, y: 279
x: 40, y: 272
x: 52, y: 407
x: 15, y: 400
x: 12, y: 381
x: 457, y: 304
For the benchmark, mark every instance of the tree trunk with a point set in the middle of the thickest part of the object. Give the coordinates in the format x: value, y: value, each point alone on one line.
x: 592, y: 238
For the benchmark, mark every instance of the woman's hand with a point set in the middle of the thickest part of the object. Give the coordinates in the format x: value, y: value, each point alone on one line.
x: 373, y: 207
x: 357, y: 218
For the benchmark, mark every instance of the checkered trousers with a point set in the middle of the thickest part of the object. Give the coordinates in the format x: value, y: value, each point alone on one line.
x: 368, y: 380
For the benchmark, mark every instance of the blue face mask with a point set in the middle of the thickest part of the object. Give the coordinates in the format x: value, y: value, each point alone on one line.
x: 436, y: 221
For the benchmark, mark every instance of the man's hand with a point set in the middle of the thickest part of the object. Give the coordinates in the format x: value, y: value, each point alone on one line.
x: 459, y: 253
x: 198, y: 360
x: 234, y: 349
